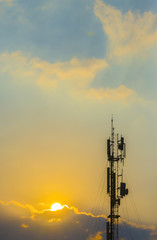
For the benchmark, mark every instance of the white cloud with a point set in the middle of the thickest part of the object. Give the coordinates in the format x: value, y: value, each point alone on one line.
x: 130, y: 34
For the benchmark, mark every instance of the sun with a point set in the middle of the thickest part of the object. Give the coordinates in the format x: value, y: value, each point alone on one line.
x: 56, y: 206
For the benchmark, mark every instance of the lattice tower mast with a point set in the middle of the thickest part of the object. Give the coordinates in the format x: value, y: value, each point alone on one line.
x: 116, y: 188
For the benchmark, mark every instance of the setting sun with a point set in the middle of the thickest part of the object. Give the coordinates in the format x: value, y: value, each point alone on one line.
x: 56, y: 206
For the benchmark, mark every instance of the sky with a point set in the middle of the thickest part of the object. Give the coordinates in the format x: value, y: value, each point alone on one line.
x: 67, y: 66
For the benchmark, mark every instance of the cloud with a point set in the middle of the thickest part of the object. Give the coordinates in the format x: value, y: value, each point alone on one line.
x: 120, y: 93
x: 81, y: 72
x: 130, y: 34
x: 123, y: 95
x: 76, y: 72
x: 98, y: 236
x: 154, y: 236
x: 75, y: 76
x: 67, y: 223
x: 24, y: 226
x: 8, y: 2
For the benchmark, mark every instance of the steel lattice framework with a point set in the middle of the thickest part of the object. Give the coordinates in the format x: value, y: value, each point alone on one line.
x: 116, y: 188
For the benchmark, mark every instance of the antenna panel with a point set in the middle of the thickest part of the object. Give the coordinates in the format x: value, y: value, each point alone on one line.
x: 108, y: 180
x: 108, y: 148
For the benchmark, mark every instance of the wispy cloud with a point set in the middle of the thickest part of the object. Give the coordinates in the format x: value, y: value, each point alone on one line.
x: 80, y: 72
x: 75, y: 76
x: 130, y: 34
x: 75, y: 72
x: 120, y: 93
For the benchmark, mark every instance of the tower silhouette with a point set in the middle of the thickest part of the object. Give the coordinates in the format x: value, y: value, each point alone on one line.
x: 116, y: 188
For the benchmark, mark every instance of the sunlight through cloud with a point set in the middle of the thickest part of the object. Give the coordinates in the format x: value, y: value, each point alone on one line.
x: 57, y: 206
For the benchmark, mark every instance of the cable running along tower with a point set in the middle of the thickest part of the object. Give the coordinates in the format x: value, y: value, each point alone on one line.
x: 116, y: 188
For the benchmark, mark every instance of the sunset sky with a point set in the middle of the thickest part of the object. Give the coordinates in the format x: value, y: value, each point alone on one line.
x: 65, y: 67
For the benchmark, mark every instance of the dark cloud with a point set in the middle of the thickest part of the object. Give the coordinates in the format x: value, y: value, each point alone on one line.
x: 19, y: 221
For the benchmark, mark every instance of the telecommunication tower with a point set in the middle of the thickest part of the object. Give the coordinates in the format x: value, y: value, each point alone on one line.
x: 116, y: 188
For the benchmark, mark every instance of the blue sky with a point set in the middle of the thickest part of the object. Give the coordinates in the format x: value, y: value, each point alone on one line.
x: 53, y: 30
